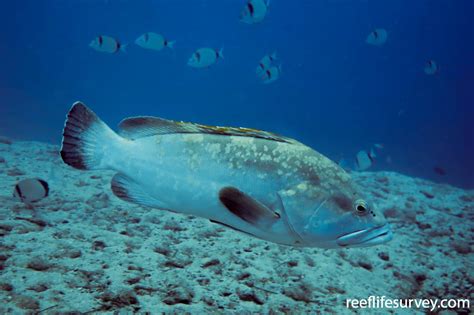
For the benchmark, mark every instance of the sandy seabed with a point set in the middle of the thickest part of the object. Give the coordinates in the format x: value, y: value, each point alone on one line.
x: 82, y: 250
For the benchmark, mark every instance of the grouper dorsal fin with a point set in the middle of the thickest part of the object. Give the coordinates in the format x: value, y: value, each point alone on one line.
x: 145, y: 126
x: 247, y: 208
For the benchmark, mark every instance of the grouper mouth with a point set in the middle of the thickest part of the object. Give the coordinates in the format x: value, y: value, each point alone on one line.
x: 368, y: 237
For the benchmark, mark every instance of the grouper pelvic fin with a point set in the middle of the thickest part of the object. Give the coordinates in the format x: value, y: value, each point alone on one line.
x: 298, y: 240
x: 231, y: 227
x: 145, y: 126
x: 247, y: 208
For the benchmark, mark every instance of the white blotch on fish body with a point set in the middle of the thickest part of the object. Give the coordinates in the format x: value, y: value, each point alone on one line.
x: 195, y: 137
x: 302, y: 186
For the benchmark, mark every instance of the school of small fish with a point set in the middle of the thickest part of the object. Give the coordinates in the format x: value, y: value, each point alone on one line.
x: 253, y: 12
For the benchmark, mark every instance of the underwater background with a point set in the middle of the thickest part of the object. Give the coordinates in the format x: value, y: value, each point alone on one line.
x: 79, y: 249
x: 336, y: 93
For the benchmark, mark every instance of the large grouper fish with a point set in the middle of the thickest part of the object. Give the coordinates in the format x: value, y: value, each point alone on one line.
x: 268, y: 186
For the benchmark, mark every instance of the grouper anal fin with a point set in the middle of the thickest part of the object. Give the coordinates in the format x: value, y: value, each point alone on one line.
x: 247, y: 208
x: 128, y: 190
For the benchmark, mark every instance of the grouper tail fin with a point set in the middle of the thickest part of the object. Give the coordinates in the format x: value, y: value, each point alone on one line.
x: 86, y: 139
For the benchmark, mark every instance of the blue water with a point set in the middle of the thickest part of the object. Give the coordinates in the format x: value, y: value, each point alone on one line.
x: 336, y: 93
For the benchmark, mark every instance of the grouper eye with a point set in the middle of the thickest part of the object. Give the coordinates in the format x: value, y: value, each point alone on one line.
x: 361, y: 207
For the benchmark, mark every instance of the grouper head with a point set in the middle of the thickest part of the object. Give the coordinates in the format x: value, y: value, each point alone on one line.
x: 335, y: 219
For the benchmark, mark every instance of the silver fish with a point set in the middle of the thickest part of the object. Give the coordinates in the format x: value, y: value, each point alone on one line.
x: 154, y: 41
x: 107, y: 44
x: 269, y: 186
x: 205, y: 57
x: 31, y: 190
x: 364, y: 160
x: 431, y: 67
x: 271, y: 74
x: 254, y: 11
x: 377, y: 37
x: 266, y: 63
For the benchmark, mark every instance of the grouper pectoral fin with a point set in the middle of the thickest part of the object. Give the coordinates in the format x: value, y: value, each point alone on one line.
x: 127, y: 189
x: 247, y: 208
